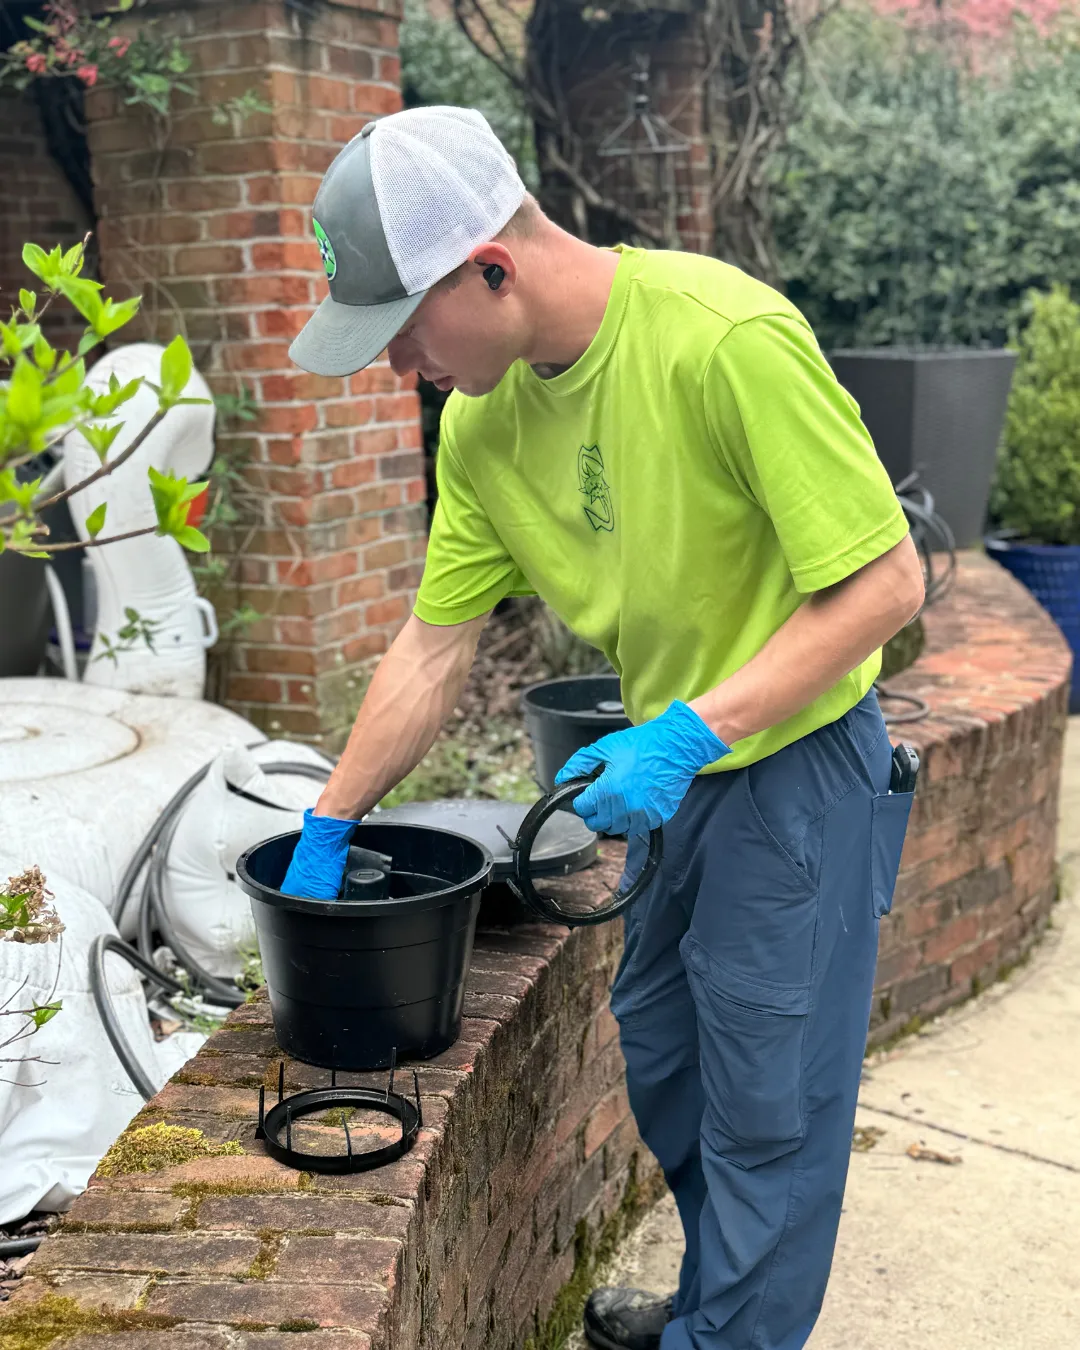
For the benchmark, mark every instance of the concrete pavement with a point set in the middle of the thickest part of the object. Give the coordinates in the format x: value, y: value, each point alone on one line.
x: 982, y: 1253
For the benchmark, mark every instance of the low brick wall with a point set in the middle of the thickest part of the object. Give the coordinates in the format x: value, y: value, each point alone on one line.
x: 978, y: 875
x: 529, y: 1165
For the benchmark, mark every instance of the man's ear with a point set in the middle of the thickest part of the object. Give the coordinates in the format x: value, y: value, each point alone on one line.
x: 497, y: 266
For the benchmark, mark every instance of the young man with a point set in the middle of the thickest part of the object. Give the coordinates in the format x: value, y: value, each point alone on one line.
x: 654, y: 444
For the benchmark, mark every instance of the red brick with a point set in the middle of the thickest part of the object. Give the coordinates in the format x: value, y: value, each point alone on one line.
x: 369, y: 1262
x: 174, y: 1253
x: 203, y: 194
x: 950, y: 938
x: 293, y: 1213
x: 208, y: 260
x: 329, y: 1305
x: 609, y: 1112
x: 386, y: 611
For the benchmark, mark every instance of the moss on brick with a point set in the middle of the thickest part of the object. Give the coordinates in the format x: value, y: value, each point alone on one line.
x: 156, y: 1146
x: 37, y: 1325
x: 266, y: 1259
x: 300, y: 1324
x: 591, y: 1254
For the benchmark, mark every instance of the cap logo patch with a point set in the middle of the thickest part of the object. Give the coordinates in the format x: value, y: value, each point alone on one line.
x: 326, y: 251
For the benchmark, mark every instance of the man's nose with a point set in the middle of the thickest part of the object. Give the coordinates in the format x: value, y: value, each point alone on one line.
x: 402, y: 356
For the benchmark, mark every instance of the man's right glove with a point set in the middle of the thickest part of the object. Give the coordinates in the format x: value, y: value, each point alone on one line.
x: 318, y: 861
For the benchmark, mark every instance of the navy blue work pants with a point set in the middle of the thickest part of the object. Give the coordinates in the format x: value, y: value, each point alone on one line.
x: 743, y: 999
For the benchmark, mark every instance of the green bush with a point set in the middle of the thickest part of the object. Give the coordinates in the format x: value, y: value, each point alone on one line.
x: 1037, y: 489
x: 918, y: 202
x: 440, y: 65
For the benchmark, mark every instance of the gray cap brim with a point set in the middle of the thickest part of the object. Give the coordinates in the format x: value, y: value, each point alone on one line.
x: 342, y: 339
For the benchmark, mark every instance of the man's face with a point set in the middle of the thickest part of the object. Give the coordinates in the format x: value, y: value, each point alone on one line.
x: 458, y: 339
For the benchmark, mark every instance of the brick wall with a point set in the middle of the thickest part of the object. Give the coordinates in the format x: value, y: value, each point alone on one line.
x: 978, y: 876
x: 38, y: 205
x: 527, y: 1155
x: 212, y: 223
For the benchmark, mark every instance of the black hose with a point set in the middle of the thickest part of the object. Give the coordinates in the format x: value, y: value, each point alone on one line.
x: 152, y: 909
x: 20, y: 1246
x: 920, y: 707
x: 99, y: 988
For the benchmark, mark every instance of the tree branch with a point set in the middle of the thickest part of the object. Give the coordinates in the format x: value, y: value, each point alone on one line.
x: 110, y: 466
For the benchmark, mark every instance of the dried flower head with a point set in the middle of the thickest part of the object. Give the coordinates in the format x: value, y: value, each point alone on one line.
x: 26, y: 910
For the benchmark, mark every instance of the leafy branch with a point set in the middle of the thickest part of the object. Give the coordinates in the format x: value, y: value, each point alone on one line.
x: 46, y: 397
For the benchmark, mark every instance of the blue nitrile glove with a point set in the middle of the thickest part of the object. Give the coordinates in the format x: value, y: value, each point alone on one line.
x: 318, y: 861
x: 649, y: 769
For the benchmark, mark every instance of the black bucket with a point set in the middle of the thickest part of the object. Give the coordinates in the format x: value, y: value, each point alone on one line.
x: 563, y: 716
x: 352, y: 983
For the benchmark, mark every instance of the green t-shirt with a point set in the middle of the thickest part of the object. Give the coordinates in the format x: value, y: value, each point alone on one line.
x: 673, y: 495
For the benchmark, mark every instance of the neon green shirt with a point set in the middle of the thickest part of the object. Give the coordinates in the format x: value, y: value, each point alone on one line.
x: 673, y: 496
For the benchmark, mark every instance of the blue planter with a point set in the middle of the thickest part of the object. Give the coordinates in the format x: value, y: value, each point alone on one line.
x: 1051, y: 572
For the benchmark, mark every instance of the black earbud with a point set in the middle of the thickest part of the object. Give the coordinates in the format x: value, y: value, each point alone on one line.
x: 493, y: 275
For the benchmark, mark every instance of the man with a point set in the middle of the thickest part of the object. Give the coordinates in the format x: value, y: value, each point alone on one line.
x: 654, y: 444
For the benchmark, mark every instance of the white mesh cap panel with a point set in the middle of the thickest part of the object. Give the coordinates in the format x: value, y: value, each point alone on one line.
x: 444, y: 184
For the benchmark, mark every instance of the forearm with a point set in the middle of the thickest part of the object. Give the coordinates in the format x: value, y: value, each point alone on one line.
x: 415, y: 687
x: 828, y: 636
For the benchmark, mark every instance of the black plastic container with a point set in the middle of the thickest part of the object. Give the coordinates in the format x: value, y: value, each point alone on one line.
x: 563, y: 716
x: 351, y: 983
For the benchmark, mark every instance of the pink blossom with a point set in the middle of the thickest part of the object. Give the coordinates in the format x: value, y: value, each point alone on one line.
x: 88, y: 75
x: 120, y: 45
x: 36, y: 63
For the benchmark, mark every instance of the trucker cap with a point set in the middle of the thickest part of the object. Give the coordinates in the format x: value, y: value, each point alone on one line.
x: 401, y: 207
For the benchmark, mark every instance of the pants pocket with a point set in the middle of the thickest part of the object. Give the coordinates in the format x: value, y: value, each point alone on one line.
x: 751, y: 1049
x: 888, y: 826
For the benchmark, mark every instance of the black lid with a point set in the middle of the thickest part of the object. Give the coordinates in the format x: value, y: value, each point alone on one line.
x: 563, y: 845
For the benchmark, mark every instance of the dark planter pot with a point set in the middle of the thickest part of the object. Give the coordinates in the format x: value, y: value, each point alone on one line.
x: 564, y: 716
x: 938, y: 413
x: 24, y: 614
x: 352, y: 983
x: 1051, y: 572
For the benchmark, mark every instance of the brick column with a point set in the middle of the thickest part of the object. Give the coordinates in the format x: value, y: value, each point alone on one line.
x: 212, y: 223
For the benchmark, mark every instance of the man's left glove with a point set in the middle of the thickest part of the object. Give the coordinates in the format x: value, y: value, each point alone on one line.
x: 649, y: 769
x: 318, y: 861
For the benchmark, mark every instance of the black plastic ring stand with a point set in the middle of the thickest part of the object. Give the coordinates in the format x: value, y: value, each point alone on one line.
x: 286, y: 1110
x: 522, y: 883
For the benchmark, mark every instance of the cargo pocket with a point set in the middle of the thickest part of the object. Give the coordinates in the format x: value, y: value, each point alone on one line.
x: 751, y: 1046
x: 888, y: 826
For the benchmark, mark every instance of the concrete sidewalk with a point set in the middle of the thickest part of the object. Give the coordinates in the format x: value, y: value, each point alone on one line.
x: 982, y: 1253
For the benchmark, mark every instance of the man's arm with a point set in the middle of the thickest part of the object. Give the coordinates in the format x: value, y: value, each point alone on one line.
x: 414, y: 689
x: 834, y: 631
x: 649, y: 768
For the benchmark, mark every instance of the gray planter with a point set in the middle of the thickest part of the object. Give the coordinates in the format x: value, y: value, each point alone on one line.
x: 937, y: 412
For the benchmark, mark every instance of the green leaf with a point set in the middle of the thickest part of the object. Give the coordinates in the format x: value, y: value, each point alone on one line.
x: 24, y: 395
x: 72, y: 261
x: 101, y: 436
x: 88, y: 342
x: 44, y: 354
x: 104, y: 405
x: 192, y: 539
x: 95, y: 520
x: 84, y: 295
x: 175, y: 372
x: 114, y: 314
x: 45, y: 1012
x: 38, y: 261
x: 28, y: 302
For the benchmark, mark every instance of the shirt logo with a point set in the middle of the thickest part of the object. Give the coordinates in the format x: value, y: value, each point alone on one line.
x: 592, y: 484
x: 326, y: 251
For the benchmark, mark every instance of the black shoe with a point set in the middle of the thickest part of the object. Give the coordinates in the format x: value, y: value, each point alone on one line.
x: 626, y: 1319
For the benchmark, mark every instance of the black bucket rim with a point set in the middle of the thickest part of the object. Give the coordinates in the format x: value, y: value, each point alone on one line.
x: 587, y: 715
x: 360, y: 909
